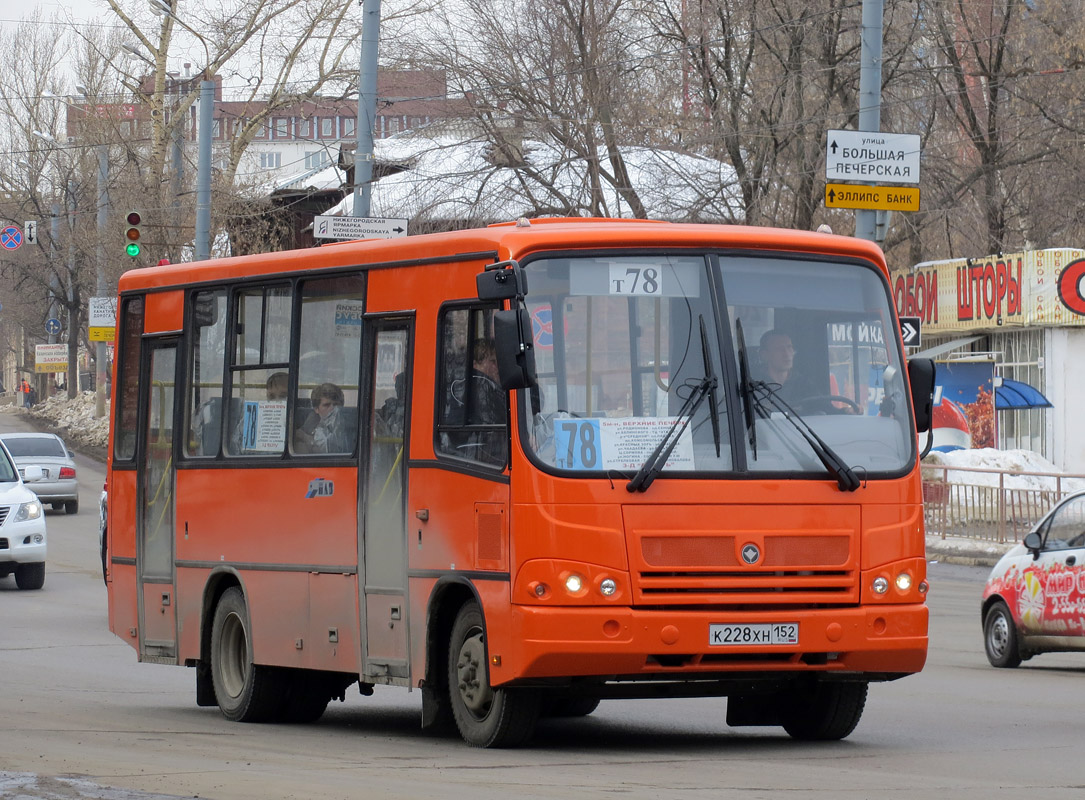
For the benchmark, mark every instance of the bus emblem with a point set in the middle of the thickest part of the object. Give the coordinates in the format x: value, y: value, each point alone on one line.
x: 320, y: 487
x: 750, y: 553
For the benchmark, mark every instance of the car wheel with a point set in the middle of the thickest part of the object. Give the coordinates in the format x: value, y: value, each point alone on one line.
x: 485, y: 716
x: 1000, y: 637
x: 827, y: 712
x: 245, y: 692
x: 30, y: 576
x: 71, y: 507
x: 56, y: 506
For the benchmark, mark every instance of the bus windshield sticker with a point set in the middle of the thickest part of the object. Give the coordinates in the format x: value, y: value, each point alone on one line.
x: 630, y: 278
x: 623, y: 444
x: 264, y: 426
x: 320, y: 487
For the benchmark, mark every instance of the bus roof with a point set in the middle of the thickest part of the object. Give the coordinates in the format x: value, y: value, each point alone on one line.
x: 504, y: 241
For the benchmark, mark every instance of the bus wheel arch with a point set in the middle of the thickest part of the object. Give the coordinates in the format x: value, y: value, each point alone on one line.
x: 244, y: 691
x: 445, y: 602
x: 485, y: 716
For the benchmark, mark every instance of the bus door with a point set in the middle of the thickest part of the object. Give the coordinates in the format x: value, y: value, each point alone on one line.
x: 154, y: 501
x: 382, y: 556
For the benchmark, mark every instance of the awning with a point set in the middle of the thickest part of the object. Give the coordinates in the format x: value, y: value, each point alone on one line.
x: 1015, y: 395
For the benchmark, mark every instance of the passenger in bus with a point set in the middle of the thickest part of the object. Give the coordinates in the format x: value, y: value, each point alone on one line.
x: 278, y: 385
x: 325, y: 430
x: 777, y: 356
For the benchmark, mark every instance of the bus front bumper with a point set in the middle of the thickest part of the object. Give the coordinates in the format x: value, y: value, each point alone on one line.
x: 887, y: 640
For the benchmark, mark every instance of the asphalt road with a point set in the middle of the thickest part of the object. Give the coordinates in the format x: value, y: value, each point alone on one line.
x: 80, y: 718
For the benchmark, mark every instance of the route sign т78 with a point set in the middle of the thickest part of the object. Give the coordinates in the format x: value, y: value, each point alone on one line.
x: 872, y: 156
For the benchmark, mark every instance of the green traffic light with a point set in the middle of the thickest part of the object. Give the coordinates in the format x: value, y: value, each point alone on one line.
x: 132, y: 249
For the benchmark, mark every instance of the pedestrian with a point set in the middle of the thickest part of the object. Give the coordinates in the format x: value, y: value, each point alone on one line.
x: 24, y: 389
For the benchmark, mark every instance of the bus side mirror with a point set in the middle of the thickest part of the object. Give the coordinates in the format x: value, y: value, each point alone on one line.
x: 921, y: 382
x: 502, y: 281
x: 515, y: 348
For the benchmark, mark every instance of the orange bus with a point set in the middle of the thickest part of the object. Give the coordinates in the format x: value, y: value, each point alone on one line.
x: 523, y: 469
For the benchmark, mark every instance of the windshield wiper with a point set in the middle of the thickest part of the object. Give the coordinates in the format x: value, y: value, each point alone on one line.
x: 845, y: 476
x: 654, y: 463
x: 710, y: 374
x: 749, y: 402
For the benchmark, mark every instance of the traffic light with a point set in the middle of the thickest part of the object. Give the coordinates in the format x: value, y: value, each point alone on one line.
x: 132, y: 233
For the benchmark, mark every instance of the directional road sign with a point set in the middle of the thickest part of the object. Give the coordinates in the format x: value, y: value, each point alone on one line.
x: 889, y: 198
x: 909, y: 331
x: 31, y: 229
x: 325, y: 227
x: 11, y: 237
x: 872, y: 156
x: 52, y: 326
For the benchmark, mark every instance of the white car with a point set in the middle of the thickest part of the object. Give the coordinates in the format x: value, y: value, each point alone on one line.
x: 22, y: 526
x: 1034, y: 600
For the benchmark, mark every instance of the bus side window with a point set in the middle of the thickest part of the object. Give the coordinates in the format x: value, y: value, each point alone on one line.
x: 203, y: 413
x: 472, y: 414
x: 329, y: 364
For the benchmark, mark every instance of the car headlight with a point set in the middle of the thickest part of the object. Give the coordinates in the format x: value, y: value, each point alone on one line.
x: 27, y: 511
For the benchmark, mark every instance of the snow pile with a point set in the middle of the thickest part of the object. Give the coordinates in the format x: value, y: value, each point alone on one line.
x: 971, y: 502
x: 1025, y: 469
x: 74, y: 419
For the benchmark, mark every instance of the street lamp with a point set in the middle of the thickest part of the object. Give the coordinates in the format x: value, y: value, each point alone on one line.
x: 203, y: 165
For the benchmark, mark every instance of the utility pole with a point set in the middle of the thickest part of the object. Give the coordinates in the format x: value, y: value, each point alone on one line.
x: 871, y: 225
x: 101, y: 289
x: 367, y: 107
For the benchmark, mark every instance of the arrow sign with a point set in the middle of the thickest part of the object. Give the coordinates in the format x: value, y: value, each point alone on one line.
x: 909, y: 331
x: 330, y: 227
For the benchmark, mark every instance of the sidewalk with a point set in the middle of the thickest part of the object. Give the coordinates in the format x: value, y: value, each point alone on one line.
x: 961, y: 550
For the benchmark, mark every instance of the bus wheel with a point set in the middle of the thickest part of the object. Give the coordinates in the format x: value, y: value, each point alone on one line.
x: 245, y: 692
x: 486, y: 717
x: 828, y: 711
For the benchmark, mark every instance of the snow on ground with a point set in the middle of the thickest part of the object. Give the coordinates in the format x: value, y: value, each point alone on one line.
x: 1027, y: 470
x: 74, y: 420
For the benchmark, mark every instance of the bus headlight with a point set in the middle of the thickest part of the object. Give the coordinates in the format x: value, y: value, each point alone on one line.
x: 904, y: 581
x: 574, y: 583
x: 880, y: 585
x: 607, y: 587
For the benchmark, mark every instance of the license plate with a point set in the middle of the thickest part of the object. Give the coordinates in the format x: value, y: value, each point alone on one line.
x: 762, y: 633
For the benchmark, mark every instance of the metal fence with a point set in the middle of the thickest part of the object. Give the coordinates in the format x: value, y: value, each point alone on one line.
x: 990, y: 504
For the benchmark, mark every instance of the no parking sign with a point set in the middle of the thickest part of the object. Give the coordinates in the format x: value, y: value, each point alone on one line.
x: 11, y: 237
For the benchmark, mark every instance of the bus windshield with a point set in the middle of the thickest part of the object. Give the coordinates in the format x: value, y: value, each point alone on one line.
x: 820, y: 344
x: 623, y: 342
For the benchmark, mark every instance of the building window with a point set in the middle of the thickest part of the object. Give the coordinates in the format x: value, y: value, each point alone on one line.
x: 316, y: 159
x: 261, y: 130
x: 216, y: 128
x: 304, y: 128
x: 349, y: 126
x: 327, y: 126
x: 271, y: 160
x: 282, y: 127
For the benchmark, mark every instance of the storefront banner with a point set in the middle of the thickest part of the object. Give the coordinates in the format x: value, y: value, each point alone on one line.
x: 1032, y: 288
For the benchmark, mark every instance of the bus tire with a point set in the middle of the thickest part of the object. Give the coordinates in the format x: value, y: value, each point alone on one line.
x: 245, y: 692
x: 1000, y: 637
x: 485, y: 717
x: 829, y: 711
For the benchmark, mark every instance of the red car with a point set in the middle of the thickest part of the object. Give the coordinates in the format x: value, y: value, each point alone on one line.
x: 1034, y: 600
